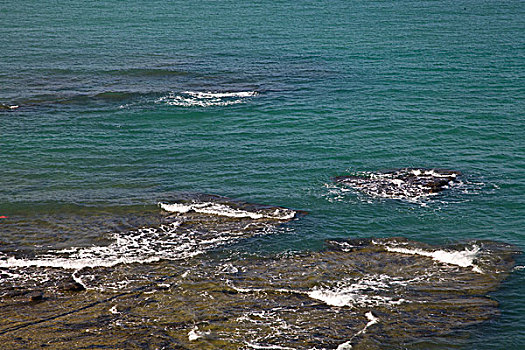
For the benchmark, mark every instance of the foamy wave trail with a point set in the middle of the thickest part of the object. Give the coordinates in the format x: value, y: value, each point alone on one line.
x: 145, y: 245
x: 220, y: 209
x: 462, y: 258
x: 361, y: 292
x: 205, y: 99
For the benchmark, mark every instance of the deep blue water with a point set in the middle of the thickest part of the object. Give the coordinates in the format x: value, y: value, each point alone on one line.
x: 109, y: 115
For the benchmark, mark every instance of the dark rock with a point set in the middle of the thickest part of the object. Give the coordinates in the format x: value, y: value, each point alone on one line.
x: 35, y: 295
x: 70, y: 285
x: 405, y: 183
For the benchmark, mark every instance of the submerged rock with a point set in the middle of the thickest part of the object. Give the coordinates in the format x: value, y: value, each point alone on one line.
x: 359, y: 294
x: 405, y: 183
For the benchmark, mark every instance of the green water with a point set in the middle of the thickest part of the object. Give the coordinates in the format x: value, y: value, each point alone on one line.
x: 106, y: 118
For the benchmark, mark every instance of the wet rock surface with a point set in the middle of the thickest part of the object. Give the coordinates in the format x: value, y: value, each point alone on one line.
x: 405, y: 183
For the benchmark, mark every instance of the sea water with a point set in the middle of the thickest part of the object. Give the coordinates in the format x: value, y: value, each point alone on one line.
x: 108, y: 108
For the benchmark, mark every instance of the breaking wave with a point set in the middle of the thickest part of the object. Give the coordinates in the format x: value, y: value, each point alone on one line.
x: 462, y: 258
x: 220, y: 209
x: 205, y: 99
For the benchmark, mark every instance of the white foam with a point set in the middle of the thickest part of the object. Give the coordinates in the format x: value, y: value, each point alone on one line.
x: 211, y: 95
x: 359, y: 293
x: 398, y: 182
x: 362, y: 292
x: 372, y: 320
x: 345, y: 346
x: 463, y: 258
x: 433, y: 173
x: 270, y: 347
x: 195, y: 334
x: 224, y: 210
x: 145, y: 245
x: 205, y: 99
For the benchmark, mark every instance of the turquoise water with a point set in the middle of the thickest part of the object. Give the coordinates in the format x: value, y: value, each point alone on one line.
x: 110, y: 115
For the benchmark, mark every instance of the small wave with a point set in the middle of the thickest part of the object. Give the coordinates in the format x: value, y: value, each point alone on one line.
x: 205, y: 99
x: 462, y: 258
x: 219, y: 209
x: 212, y: 95
x: 362, y: 292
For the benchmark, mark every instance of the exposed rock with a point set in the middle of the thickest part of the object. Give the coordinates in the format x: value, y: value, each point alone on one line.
x: 35, y: 295
x: 405, y: 183
x: 70, y: 285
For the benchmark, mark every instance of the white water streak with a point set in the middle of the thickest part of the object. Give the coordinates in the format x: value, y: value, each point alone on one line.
x: 462, y: 258
x: 224, y: 210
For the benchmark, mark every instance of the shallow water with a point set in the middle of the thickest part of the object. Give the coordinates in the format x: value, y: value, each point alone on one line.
x: 122, y: 106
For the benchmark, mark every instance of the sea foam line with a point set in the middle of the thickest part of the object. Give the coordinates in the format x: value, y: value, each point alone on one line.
x: 224, y: 210
x: 145, y: 245
x: 199, y: 94
x: 372, y: 320
x: 352, y: 293
x: 343, y: 294
x: 462, y: 258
